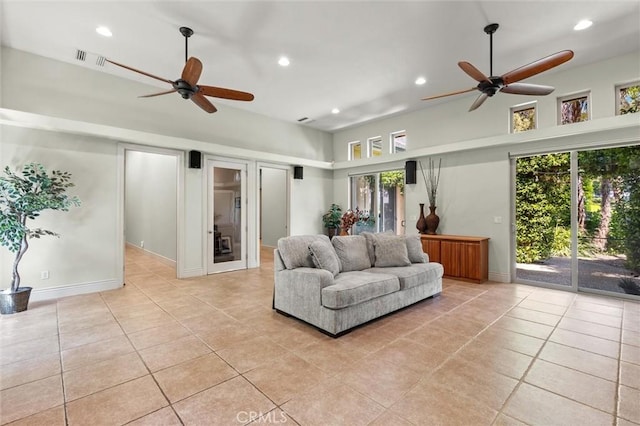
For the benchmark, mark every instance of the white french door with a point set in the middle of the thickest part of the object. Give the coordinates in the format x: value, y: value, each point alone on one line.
x: 227, y: 216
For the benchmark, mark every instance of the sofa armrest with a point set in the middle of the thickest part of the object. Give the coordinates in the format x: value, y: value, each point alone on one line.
x: 300, y: 287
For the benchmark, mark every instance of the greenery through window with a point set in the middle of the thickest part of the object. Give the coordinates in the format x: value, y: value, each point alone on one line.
x: 574, y: 109
x: 523, y: 118
x: 628, y: 98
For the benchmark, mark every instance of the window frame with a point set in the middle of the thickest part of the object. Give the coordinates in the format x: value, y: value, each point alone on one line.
x: 570, y: 97
x: 521, y: 107
x: 370, y: 142
x: 392, y: 144
x: 351, y: 146
x: 619, y: 87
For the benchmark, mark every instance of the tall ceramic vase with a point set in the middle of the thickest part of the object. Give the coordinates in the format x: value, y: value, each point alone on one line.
x: 432, y: 221
x: 421, y: 225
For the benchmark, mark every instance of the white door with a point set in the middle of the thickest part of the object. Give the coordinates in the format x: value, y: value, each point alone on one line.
x: 227, y: 216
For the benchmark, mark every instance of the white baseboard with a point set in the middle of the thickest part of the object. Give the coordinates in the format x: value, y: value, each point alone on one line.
x: 38, y: 294
x: 499, y: 277
x: 190, y: 273
x: 156, y: 256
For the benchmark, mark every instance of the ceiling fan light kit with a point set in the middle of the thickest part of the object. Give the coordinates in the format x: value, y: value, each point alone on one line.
x: 187, y: 85
x: 507, y: 83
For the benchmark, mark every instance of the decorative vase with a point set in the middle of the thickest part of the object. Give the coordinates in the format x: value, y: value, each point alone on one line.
x: 14, y: 302
x: 432, y: 221
x: 421, y: 225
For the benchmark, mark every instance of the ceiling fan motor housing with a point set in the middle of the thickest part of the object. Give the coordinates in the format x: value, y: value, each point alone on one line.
x: 491, y: 86
x: 184, y: 88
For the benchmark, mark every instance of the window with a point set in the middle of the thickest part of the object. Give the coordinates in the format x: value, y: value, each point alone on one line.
x: 523, y: 118
x: 355, y: 150
x: 574, y: 108
x: 374, y: 147
x: 398, y: 141
x: 378, y: 199
x: 627, y: 98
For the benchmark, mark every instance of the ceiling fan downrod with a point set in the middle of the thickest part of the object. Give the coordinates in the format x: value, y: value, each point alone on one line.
x: 490, y: 29
x: 186, y: 32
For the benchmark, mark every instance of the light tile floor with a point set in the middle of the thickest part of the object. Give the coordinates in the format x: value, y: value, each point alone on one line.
x: 210, y: 350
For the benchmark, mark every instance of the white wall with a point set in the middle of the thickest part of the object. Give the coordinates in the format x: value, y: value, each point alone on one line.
x: 84, y: 257
x: 475, y: 185
x: 150, y: 202
x: 310, y: 198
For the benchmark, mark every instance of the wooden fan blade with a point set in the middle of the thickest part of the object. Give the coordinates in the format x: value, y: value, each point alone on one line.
x: 479, y: 101
x: 527, y: 89
x: 139, y: 72
x: 449, y: 94
x: 537, y: 67
x: 220, y: 92
x: 203, y: 103
x: 192, y: 70
x: 158, y: 94
x: 473, y: 72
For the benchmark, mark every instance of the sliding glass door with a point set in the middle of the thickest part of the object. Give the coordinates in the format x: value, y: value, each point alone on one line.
x: 577, y: 220
x: 379, y: 199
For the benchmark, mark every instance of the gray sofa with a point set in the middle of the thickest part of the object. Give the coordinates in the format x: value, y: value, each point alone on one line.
x: 341, y: 283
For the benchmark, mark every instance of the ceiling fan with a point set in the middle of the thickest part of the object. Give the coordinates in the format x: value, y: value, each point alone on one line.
x: 507, y: 83
x: 187, y: 85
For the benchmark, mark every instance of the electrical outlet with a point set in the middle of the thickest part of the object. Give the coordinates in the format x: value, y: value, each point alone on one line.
x: 141, y: 244
x: 497, y: 219
x: 44, y: 275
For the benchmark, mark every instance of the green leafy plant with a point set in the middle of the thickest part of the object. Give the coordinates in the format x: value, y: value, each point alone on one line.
x: 23, y: 195
x: 331, y: 219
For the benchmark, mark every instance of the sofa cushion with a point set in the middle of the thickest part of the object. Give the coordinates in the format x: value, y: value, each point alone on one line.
x: 413, y: 275
x: 390, y: 251
x: 371, y: 237
x: 352, y: 252
x: 294, y: 250
x: 324, y: 256
x: 414, y: 249
x: 352, y: 288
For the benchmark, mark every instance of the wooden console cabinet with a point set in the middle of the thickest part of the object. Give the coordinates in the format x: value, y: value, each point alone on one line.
x: 463, y: 258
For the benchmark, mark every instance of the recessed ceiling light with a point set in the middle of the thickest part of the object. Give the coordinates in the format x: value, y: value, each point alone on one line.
x: 104, y: 31
x: 284, y: 61
x: 584, y: 24
x: 420, y: 81
x: 335, y: 111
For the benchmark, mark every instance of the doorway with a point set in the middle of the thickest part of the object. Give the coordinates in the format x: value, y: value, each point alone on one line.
x: 577, y: 216
x: 226, y: 216
x: 274, y: 205
x: 379, y: 201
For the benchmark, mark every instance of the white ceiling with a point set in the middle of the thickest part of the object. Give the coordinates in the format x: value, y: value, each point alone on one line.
x: 359, y: 56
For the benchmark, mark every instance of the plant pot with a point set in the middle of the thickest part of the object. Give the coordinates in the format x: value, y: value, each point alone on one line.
x: 332, y: 232
x: 13, y: 302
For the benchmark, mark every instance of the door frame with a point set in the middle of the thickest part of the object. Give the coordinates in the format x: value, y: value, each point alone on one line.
x: 180, y: 206
x: 250, y: 247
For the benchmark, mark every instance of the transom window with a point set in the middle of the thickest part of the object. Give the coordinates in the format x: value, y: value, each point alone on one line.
x: 574, y: 108
x: 627, y: 98
x: 398, y: 141
x: 355, y: 150
x: 374, y: 147
x: 523, y: 118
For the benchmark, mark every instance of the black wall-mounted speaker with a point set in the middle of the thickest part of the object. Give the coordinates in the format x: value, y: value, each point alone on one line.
x: 410, y: 172
x: 297, y: 172
x: 195, y: 159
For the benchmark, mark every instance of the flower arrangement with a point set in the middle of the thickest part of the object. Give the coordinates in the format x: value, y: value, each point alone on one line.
x: 431, y: 180
x: 353, y: 217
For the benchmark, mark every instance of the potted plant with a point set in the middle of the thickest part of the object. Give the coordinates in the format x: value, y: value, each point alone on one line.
x: 331, y: 220
x: 364, y: 222
x: 23, y: 195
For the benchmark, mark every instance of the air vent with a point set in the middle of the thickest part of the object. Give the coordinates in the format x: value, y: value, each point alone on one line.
x: 300, y: 120
x: 81, y: 55
x: 100, y: 61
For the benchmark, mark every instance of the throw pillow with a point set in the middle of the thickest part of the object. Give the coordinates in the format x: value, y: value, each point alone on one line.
x: 294, y: 250
x: 370, y: 237
x: 414, y: 249
x: 352, y: 252
x: 324, y: 256
x: 391, y: 251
